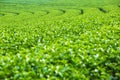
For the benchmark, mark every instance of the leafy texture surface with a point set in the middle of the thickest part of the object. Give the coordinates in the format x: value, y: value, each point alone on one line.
x: 60, y: 40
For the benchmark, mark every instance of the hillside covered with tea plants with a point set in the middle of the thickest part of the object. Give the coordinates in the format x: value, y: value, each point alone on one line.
x: 59, y: 39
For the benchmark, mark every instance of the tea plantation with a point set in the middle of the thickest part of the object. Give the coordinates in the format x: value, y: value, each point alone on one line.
x: 59, y: 40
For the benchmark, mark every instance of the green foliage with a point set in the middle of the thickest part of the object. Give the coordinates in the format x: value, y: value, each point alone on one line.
x: 59, y: 42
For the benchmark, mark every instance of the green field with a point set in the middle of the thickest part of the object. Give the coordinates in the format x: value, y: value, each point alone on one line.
x: 59, y: 39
